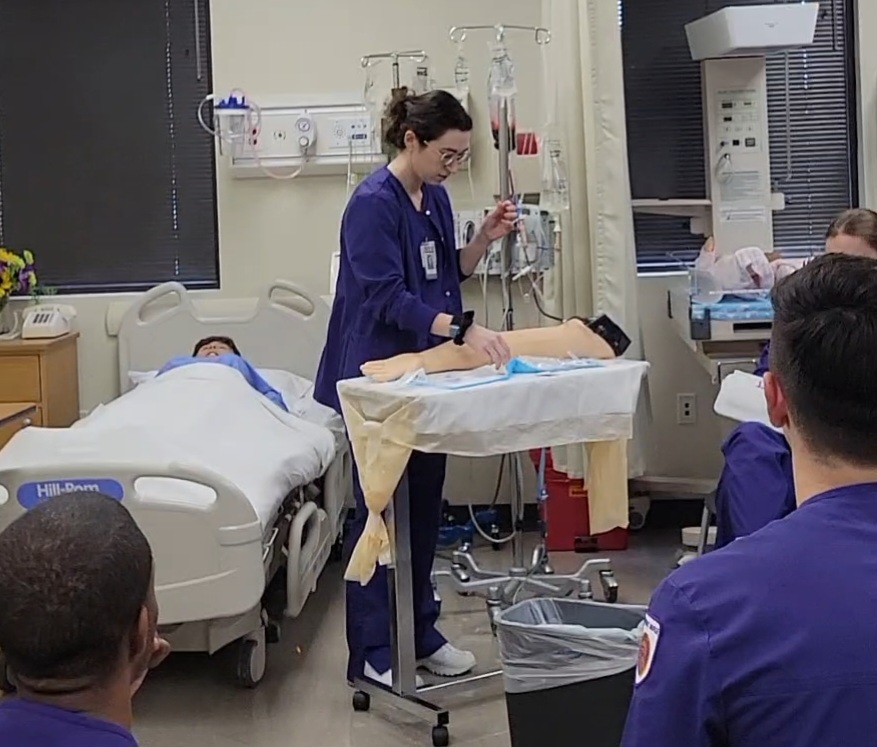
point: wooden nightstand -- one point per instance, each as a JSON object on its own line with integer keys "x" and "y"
{"x": 43, "y": 373}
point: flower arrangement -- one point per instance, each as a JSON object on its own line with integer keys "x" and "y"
{"x": 17, "y": 275}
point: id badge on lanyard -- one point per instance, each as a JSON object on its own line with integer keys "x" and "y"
{"x": 429, "y": 259}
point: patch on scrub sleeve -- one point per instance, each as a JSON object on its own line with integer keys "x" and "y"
{"x": 647, "y": 648}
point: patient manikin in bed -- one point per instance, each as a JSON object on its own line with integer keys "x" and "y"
{"x": 756, "y": 487}
{"x": 223, "y": 350}
{"x": 574, "y": 338}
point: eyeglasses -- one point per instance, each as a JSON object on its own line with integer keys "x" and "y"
{"x": 450, "y": 159}
{"x": 455, "y": 159}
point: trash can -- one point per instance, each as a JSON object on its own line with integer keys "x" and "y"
{"x": 568, "y": 668}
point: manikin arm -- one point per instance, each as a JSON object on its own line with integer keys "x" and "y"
{"x": 570, "y": 339}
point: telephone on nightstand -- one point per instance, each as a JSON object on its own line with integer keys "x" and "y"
{"x": 47, "y": 321}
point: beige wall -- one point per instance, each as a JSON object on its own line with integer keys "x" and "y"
{"x": 270, "y": 230}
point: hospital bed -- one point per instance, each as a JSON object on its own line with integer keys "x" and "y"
{"x": 228, "y": 488}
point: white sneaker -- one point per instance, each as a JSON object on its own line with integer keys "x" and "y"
{"x": 449, "y": 662}
{"x": 386, "y": 678}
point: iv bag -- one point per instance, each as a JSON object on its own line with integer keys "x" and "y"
{"x": 461, "y": 71}
{"x": 554, "y": 193}
{"x": 501, "y": 80}
{"x": 502, "y": 89}
{"x": 421, "y": 80}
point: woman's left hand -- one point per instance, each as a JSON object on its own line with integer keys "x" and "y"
{"x": 500, "y": 221}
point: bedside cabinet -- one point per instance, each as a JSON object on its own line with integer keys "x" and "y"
{"x": 45, "y": 374}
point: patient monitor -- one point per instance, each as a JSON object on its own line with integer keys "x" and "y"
{"x": 47, "y": 321}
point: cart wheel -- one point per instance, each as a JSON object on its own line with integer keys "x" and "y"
{"x": 272, "y": 632}
{"x": 440, "y": 736}
{"x": 250, "y": 661}
{"x": 610, "y": 586}
{"x": 361, "y": 702}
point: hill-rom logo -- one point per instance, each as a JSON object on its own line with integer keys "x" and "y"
{"x": 31, "y": 494}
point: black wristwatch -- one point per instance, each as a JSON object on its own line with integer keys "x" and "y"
{"x": 460, "y": 326}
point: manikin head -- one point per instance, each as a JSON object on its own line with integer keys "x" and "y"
{"x": 853, "y": 232}
{"x": 821, "y": 388}
{"x": 432, "y": 132}
{"x": 78, "y": 615}
{"x": 215, "y": 346}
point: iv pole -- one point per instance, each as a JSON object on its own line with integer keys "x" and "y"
{"x": 415, "y": 55}
{"x": 541, "y": 36}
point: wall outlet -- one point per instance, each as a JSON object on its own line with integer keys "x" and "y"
{"x": 686, "y": 409}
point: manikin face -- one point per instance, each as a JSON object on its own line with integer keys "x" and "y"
{"x": 214, "y": 349}
{"x": 846, "y": 244}
{"x": 438, "y": 159}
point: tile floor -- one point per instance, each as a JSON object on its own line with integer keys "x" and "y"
{"x": 304, "y": 699}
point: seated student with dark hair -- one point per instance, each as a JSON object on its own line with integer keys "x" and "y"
{"x": 78, "y": 620}
{"x": 770, "y": 640}
{"x": 223, "y": 350}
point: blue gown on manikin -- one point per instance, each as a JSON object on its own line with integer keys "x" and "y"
{"x": 385, "y": 305}
{"x": 769, "y": 641}
{"x": 756, "y": 485}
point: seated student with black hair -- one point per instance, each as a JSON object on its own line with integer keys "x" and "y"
{"x": 78, "y": 620}
{"x": 769, "y": 642}
{"x": 223, "y": 350}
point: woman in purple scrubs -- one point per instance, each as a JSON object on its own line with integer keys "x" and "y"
{"x": 398, "y": 291}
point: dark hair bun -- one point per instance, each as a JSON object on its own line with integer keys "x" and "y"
{"x": 396, "y": 116}
{"x": 429, "y": 116}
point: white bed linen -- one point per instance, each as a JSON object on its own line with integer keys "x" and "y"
{"x": 297, "y": 393}
{"x": 205, "y": 416}
{"x": 521, "y": 412}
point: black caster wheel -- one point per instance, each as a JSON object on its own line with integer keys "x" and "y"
{"x": 495, "y": 535}
{"x": 440, "y": 736}
{"x": 272, "y": 632}
{"x": 250, "y": 661}
{"x": 361, "y": 702}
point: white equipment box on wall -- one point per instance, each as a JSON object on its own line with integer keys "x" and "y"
{"x": 332, "y": 136}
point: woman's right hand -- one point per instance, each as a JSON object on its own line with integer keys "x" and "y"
{"x": 490, "y": 343}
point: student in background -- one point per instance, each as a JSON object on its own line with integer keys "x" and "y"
{"x": 78, "y": 623}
